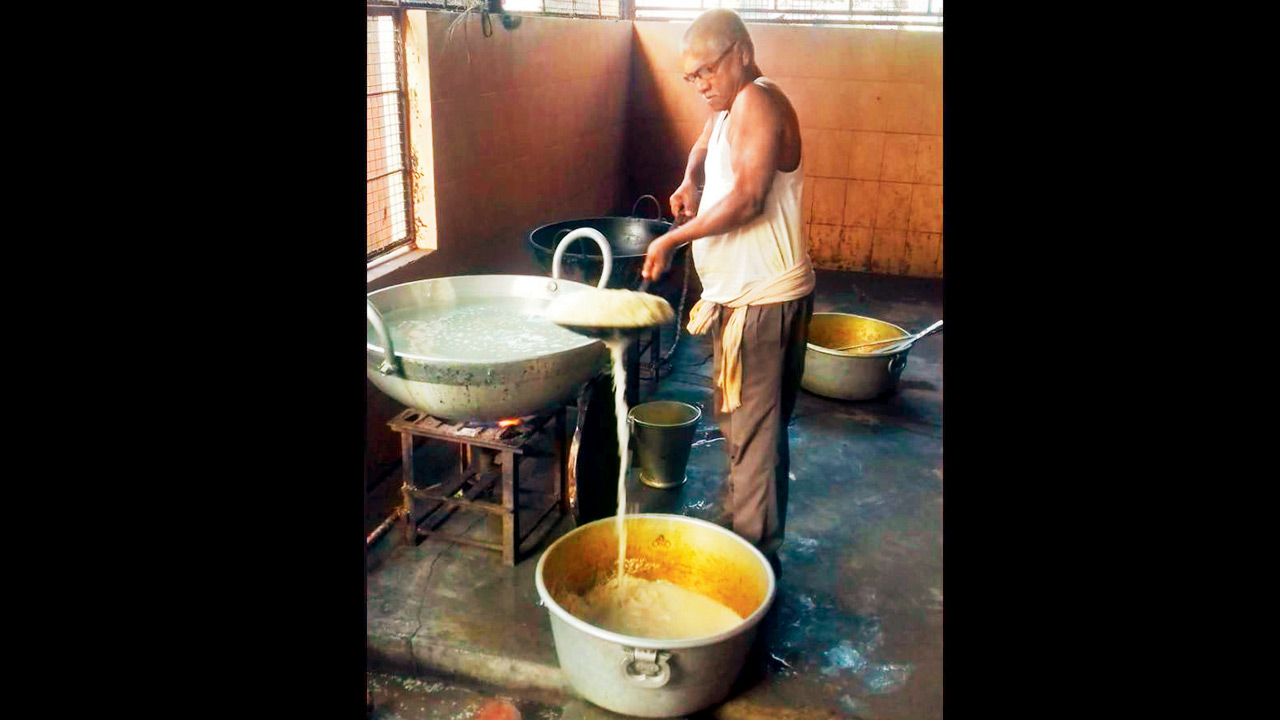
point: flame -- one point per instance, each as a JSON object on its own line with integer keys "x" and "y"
{"x": 509, "y": 422}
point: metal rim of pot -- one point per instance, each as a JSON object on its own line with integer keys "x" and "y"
{"x": 632, "y": 420}
{"x": 390, "y": 364}
{"x": 856, "y": 356}
{"x": 636, "y": 641}
{"x": 559, "y": 240}
{"x": 375, "y": 318}
{"x": 582, "y": 256}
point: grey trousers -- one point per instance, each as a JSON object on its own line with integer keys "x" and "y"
{"x": 755, "y": 434}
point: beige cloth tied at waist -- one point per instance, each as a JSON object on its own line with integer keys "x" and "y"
{"x": 793, "y": 284}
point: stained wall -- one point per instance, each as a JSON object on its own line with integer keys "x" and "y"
{"x": 870, "y": 110}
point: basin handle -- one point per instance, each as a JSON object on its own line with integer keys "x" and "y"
{"x": 390, "y": 363}
{"x": 655, "y": 202}
{"x": 652, "y": 667}
{"x": 604, "y": 250}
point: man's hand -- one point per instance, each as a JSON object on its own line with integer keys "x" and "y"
{"x": 684, "y": 201}
{"x": 657, "y": 258}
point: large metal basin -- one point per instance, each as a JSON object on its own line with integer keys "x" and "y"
{"x": 459, "y": 388}
{"x": 650, "y": 677}
{"x": 857, "y": 375}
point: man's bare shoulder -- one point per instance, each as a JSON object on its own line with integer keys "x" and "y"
{"x": 767, "y": 110}
{"x": 774, "y": 90}
{"x": 761, "y": 104}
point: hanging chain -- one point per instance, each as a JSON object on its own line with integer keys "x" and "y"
{"x": 655, "y": 369}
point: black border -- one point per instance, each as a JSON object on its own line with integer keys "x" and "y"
{"x": 262, "y": 535}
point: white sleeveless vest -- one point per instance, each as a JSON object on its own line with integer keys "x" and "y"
{"x": 730, "y": 263}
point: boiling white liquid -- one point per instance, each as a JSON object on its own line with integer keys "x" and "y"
{"x": 490, "y": 330}
{"x": 652, "y": 609}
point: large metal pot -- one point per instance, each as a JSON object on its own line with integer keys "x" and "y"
{"x": 458, "y": 388}
{"x": 644, "y": 676}
{"x": 629, "y": 239}
{"x": 850, "y": 375}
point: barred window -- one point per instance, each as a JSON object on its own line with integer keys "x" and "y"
{"x": 387, "y": 191}
{"x": 570, "y": 8}
{"x": 886, "y": 14}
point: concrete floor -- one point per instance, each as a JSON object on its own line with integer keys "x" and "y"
{"x": 857, "y": 630}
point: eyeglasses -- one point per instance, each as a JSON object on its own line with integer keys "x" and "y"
{"x": 709, "y": 69}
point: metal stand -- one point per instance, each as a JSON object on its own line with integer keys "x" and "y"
{"x": 480, "y": 450}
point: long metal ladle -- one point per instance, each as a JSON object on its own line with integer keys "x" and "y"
{"x": 893, "y": 347}
{"x": 598, "y": 332}
{"x": 607, "y": 254}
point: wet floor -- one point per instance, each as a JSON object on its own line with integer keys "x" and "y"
{"x": 857, "y": 626}
{"x": 429, "y": 697}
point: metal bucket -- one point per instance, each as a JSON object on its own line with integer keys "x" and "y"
{"x": 662, "y": 435}
{"x": 650, "y": 677}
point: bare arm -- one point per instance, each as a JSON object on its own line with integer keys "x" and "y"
{"x": 686, "y": 198}
{"x": 695, "y": 171}
{"x": 755, "y": 139}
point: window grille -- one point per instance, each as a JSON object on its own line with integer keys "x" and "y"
{"x": 568, "y": 8}
{"x": 887, "y": 14}
{"x": 387, "y": 191}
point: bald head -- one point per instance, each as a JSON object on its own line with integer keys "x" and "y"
{"x": 714, "y": 30}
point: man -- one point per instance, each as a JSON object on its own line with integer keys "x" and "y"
{"x": 752, "y": 257}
